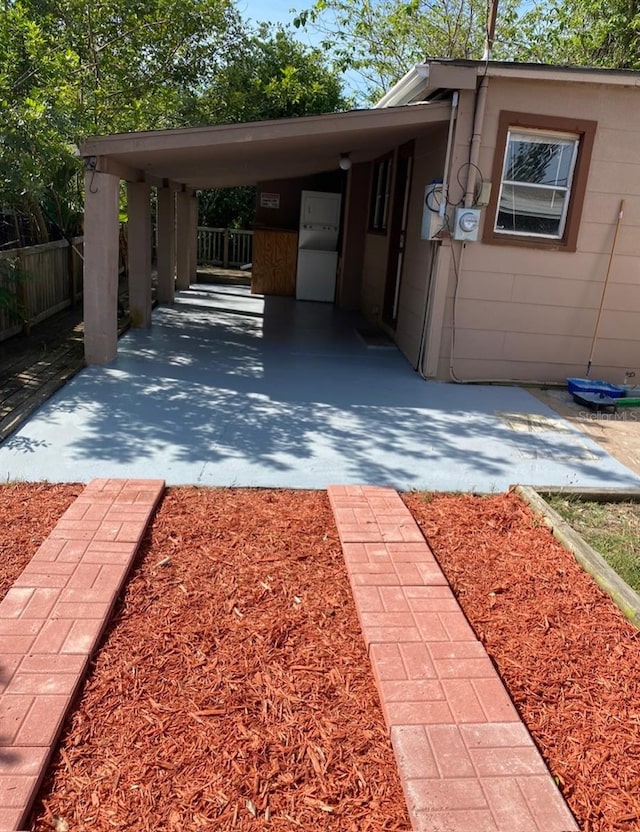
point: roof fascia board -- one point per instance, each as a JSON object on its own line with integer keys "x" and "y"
{"x": 193, "y": 137}
{"x": 435, "y": 73}
{"x": 588, "y": 76}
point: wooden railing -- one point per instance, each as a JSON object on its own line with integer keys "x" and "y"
{"x": 43, "y": 279}
{"x": 226, "y": 247}
{"x": 47, "y": 278}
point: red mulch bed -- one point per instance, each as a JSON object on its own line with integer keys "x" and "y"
{"x": 234, "y": 685}
{"x": 28, "y": 513}
{"x": 233, "y": 691}
{"x": 568, "y": 657}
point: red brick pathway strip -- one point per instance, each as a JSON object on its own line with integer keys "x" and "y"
{"x": 466, "y": 760}
{"x": 51, "y": 622}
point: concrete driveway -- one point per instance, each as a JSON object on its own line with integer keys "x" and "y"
{"x": 233, "y": 389}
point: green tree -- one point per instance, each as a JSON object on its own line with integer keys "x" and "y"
{"x": 269, "y": 75}
{"x": 377, "y": 41}
{"x": 70, "y": 68}
{"x": 37, "y": 115}
{"x": 137, "y": 60}
{"x": 603, "y": 33}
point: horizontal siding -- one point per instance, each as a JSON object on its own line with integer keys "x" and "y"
{"x": 529, "y": 314}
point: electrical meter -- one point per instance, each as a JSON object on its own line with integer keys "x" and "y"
{"x": 466, "y": 224}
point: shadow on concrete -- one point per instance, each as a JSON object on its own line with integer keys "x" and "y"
{"x": 286, "y": 394}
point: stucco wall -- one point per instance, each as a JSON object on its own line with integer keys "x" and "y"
{"x": 530, "y": 314}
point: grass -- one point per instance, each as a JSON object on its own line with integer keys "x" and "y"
{"x": 613, "y": 529}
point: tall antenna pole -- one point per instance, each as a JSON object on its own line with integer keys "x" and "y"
{"x": 492, "y": 16}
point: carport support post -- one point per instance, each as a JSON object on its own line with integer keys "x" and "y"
{"x": 101, "y": 246}
{"x": 139, "y": 247}
{"x": 166, "y": 245}
{"x": 193, "y": 240}
{"x": 183, "y": 248}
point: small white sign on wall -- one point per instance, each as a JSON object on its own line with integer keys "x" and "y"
{"x": 269, "y": 200}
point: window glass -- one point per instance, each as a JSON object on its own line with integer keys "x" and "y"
{"x": 536, "y": 184}
{"x": 380, "y": 194}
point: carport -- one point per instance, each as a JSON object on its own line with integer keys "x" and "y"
{"x": 177, "y": 163}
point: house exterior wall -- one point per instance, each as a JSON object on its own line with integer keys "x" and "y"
{"x": 428, "y": 164}
{"x": 354, "y": 237}
{"x": 374, "y": 272}
{"x": 529, "y": 314}
{"x": 287, "y": 215}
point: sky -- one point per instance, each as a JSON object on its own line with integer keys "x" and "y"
{"x": 278, "y": 11}
{"x": 274, "y": 11}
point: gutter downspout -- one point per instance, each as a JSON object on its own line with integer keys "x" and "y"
{"x": 447, "y": 159}
{"x": 476, "y": 141}
{"x": 470, "y": 193}
{"x": 481, "y": 102}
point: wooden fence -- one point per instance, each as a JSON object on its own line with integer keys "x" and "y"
{"x": 42, "y": 280}
{"x": 39, "y": 281}
{"x": 226, "y": 247}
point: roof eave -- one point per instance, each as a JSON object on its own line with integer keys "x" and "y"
{"x": 406, "y": 88}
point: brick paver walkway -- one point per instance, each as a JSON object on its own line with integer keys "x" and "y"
{"x": 466, "y": 760}
{"x": 51, "y": 621}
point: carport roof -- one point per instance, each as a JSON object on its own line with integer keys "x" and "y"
{"x": 244, "y": 154}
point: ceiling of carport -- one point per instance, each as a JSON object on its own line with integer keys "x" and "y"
{"x": 244, "y": 154}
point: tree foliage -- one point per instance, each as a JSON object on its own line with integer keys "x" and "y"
{"x": 377, "y": 41}
{"x": 37, "y": 113}
{"x": 73, "y": 68}
{"x": 599, "y": 33}
{"x": 272, "y": 75}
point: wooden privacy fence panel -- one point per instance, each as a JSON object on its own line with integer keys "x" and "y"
{"x": 48, "y": 279}
{"x": 8, "y": 324}
{"x": 226, "y": 247}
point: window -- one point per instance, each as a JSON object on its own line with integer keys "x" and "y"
{"x": 536, "y": 184}
{"x": 381, "y": 186}
{"x": 539, "y": 179}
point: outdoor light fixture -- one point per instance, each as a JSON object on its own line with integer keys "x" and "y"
{"x": 345, "y": 161}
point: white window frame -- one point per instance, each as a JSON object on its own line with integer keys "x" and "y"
{"x": 553, "y": 137}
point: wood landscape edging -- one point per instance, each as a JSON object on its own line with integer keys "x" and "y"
{"x": 625, "y": 598}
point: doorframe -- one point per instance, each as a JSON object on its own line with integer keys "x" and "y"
{"x": 398, "y": 233}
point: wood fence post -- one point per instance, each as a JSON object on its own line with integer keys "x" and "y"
{"x": 71, "y": 273}
{"x": 225, "y": 249}
{"x": 22, "y": 296}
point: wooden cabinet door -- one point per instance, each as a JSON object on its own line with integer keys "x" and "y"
{"x": 273, "y": 271}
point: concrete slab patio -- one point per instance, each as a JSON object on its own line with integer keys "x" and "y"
{"x": 233, "y": 389}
